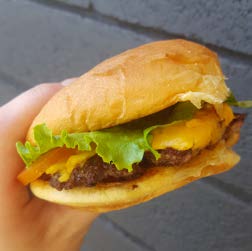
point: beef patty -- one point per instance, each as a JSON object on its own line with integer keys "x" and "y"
{"x": 96, "y": 171}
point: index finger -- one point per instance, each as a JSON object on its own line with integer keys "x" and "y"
{"x": 17, "y": 115}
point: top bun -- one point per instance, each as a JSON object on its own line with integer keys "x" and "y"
{"x": 133, "y": 84}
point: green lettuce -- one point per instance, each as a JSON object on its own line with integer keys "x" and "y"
{"x": 231, "y": 100}
{"x": 121, "y": 145}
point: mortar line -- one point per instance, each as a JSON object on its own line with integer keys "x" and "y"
{"x": 137, "y": 241}
{"x": 148, "y": 31}
{"x": 234, "y": 193}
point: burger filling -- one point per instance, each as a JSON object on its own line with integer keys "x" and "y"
{"x": 95, "y": 170}
{"x": 171, "y": 137}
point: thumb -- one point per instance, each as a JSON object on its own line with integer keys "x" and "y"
{"x": 17, "y": 115}
{"x": 15, "y": 119}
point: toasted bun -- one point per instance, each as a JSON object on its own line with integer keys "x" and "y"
{"x": 129, "y": 86}
{"x": 156, "y": 181}
{"x": 134, "y": 84}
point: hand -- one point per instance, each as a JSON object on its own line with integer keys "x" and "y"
{"x": 27, "y": 223}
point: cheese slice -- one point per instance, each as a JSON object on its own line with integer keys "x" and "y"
{"x": 65, "y": 168}
{"x": 207, "y": 127}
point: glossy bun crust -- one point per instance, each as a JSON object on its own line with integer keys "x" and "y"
{"x": 155, "y": 182}
{"x": 131, "y": 85}
{"x": 134, "y": 84}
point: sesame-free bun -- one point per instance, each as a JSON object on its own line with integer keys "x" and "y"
{"x": 126, "y": 87}
{"x": 133, "y": 84}
{"x": 155, "y": 182}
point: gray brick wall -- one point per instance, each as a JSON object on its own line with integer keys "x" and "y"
{"x": 224, "y": 23}
{"x": 51, "y": 40}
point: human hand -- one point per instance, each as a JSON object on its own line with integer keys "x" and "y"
{"x": 27, "y": 223}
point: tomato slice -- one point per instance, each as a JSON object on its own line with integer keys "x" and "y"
{"x": 43, "y": 162}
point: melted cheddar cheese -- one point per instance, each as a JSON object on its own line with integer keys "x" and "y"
{"x": 65, "y": 168}
{"x": 207, "y": 127}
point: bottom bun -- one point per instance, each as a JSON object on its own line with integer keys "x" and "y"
{"x": 155, "y": 182}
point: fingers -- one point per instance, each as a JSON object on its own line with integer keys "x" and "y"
{"x": 77, "y": 221}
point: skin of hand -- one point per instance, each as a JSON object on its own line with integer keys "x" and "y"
{"x": 26, "y": 222}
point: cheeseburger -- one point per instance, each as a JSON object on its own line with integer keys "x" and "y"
{"x": 138, "y": 125}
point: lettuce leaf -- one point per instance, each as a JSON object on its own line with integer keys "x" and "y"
{"x": 231, "y": 100}
{"x": 121, "y": 145}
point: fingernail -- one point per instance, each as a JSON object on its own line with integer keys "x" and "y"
{"x": 67, "y": 81}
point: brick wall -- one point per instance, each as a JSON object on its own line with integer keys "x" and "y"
{"x": 49, "y": 40}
